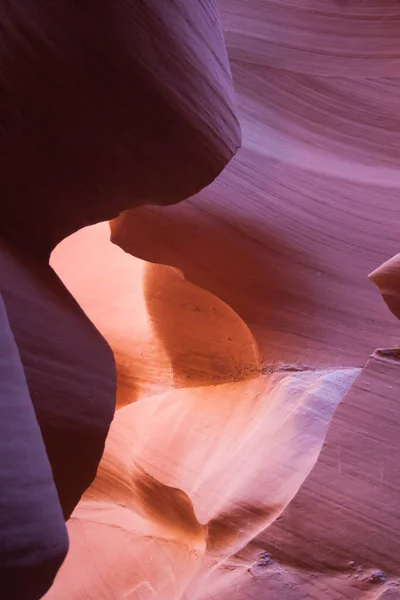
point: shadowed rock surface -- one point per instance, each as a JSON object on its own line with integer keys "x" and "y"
{"x": 254, "y": 450}
{"x": 104, "y": 106}
{"x": 34, "y": 539}
{"x": 284, "y": 238}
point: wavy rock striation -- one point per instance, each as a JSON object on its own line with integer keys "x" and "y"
{"x": 285, "y": 238}
{"x": 254, "y": 452}
{"x": 33, "y": 533}
{"x": 97, "y": 100}
{"x": 103, "y": 107}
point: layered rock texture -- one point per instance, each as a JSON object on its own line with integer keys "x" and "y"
{"x": 103, "y": 107}
{"x": 255, "y": 447}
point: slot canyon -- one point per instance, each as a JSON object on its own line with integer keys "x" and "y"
{"x": 200, "y": 294}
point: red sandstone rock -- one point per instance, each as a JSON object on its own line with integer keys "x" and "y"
{"x": 68, "y": 366}
{"x": 387, "y": 278}
{"x": 106, "y": 106}
{"x": 33, "y": 534}
{"x": 345, "y": 516}
{"x": 285, "y": 237}
{"x": 103, "y": 107}
{"x": 223, "y": 491}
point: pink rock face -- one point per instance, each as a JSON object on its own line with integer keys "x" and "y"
{"x": 182, "y": 484}
{"x": 108, "y": 106}
{"x": 290, "y": 466}
{"x": 68, "y": 367}
{"x": 387, "y": 278}
{"x": 254, "y": 450}
{"x": 103, "y": 107}
{"x": 33, "y": 534}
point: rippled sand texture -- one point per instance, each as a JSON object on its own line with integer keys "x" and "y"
{"x": 228, "y": 473}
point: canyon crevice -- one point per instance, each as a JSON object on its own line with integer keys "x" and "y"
{"x": 198, "y": 380}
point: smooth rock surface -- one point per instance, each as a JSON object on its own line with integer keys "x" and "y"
{"x": 353, "y": 490}
{"x": 189, "y": 477}
{"x": 34, "y": 538}
{"x": 106, "y": 106}
{"x": 69, "y": 369}
{"x": 285, "y": 238}
{"x": 387, "y": 278}
{"x": 235, "y": 316}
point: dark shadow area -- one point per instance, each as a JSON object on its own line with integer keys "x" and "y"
{"x": 69, "y": 370}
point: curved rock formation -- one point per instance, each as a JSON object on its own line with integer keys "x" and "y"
{"x": 254, "y": 451}
{"x": 33, "y": 534}
{"x": 108, "y": 106}
{"x": 68, "y": 367}
{"x": 103, "y": 107}
{"x": 218, "y": 464}
{"x": 387, "y": 278}
{"x": 285, "y": 238}
{"x": 219, "y": 444}
{"x": 310, "y": 204}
